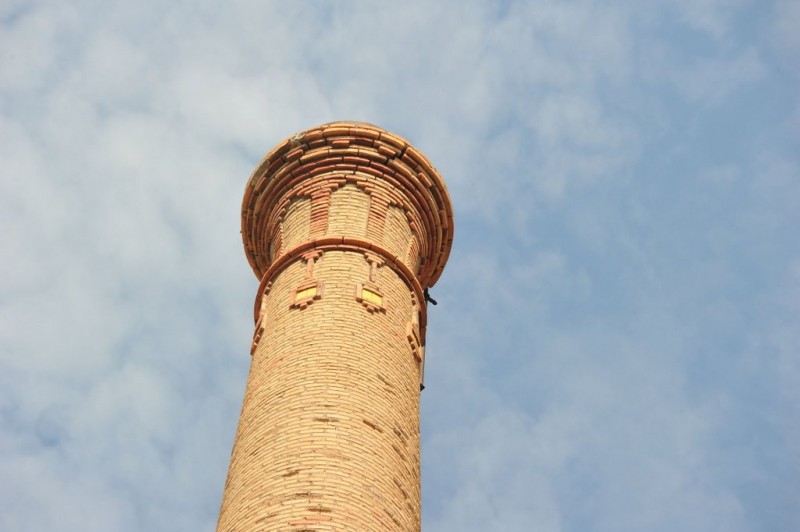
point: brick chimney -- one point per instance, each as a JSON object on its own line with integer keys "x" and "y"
{"x": 345, "y": 225}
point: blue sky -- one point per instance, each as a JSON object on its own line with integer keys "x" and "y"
{"x": 617, "y": 341}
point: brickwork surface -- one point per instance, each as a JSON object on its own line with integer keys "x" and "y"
{"x": 397, "y": 234}
{"x": 329, "y": 433}
{"x": 348, "y": 212}
{"x": 345, "y": 224}
{"x": 296, "y": 224}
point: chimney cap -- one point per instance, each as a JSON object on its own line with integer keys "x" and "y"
{"x": 419, "y": 179}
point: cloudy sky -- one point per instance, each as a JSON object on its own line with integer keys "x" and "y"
{"x": 617, "y": 341}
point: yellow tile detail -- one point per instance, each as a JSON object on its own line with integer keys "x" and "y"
{"x": 371, "y": 296}
{"x": 307, "y": 293}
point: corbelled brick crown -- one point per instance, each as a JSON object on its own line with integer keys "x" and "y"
{"x": 317, "y": 162}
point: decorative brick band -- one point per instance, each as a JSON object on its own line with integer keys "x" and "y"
{"x": 371, "y": 251}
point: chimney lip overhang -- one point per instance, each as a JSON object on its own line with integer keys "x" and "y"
{"x": 426, "y": 181}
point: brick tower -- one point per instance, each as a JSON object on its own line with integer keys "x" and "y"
{"x": 345, "y": 225}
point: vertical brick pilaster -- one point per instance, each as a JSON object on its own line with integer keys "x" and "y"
{"x": 377, "y": 217}
{"x": 320, "y": 202}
